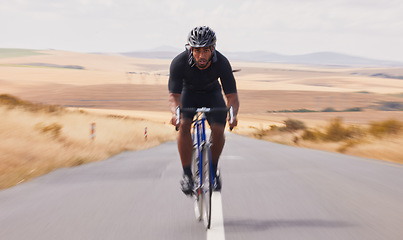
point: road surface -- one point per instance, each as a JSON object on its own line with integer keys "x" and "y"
{"x": 270, "y": 191}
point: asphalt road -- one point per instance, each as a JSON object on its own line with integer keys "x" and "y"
{"x": 270, "y": 191}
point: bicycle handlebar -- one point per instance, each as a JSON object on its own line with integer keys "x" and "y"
{"x": 204, "y": 110}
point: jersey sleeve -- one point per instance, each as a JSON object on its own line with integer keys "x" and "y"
{"x": 227, "y": 77}
{"x": 175, "y": 82}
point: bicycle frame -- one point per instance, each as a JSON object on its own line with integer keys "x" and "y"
{"x": 199, "y": 131}
{"x": 199, "y": 140}
{"x": 202, "y": 169}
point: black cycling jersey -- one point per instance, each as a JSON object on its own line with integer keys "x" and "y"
{"x": 201, "y": 88}
{"x": 185, "y": 76}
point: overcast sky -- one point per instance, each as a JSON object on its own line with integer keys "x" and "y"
{"x": 367, "y": 28}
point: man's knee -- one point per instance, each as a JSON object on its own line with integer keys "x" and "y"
{"x": 217, "y": 127}
{"x": 217, "y": 130}
{"x": 185, "y": 125}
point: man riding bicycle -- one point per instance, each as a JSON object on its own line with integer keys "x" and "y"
{"x": 193, "y": 83}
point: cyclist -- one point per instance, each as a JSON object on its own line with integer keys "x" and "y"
{"x": 193, "y": 83}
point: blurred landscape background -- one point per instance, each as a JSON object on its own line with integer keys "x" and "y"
{"x": 83, "y": 80}
{"x": 50, "y": 99}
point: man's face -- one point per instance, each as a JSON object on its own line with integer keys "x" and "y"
{"x": 202, "y": 57}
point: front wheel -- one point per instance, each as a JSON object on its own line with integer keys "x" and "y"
{"x": 207, "y": 186}
{"x": 198, "y": 196}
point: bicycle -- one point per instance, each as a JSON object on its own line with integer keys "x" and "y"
{"x": 201, "y": 164}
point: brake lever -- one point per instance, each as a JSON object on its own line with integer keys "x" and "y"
{"x": 178, "y": 114}
{"x": 231, "y": 116}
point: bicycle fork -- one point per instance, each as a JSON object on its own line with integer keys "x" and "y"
{"x": 203, "y": 145}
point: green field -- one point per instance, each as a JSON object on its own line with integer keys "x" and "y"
{"x": 16, "y": 52}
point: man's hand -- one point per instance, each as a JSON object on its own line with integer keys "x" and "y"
{"x": 174, "y": 120}
{"x": 234, "y": 122}
{"x": 233, "y": 102}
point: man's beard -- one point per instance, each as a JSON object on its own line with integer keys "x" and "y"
{"x": 203, "y": 65}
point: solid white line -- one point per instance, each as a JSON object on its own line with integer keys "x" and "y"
{"x": 216, "y": 231}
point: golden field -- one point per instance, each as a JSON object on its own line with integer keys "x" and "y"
{"x": 39, "y": 140}
{"x": 124, "y": 95}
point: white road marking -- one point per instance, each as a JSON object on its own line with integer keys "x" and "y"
{"x": 216, "y": 231}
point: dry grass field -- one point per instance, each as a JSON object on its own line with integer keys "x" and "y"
{"x": 36, "y": 139}
{"x": 103, "y": 86}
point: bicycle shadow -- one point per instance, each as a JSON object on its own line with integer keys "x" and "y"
{"x": 262, "y": 225}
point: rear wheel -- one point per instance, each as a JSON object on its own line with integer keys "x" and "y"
{"x": 207, "y": 186}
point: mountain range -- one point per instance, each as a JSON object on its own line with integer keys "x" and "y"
{"x": 317, "y": 58}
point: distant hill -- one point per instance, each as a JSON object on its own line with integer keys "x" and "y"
{"x": 17, "y": 52}
{"x": 152, "y": 55}
{"x": 163, "y": 52}
{"x": 318, "y": 58}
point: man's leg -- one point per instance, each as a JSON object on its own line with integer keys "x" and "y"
{"x": 185, "y": 148}
{"x": 217, "y": 135}
{"x": 218, "y": 138}
{"x": 185, "y": 144}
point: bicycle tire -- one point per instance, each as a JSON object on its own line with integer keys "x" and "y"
{"x": 198, "y": 197}
{"x": 207, "y": 186}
